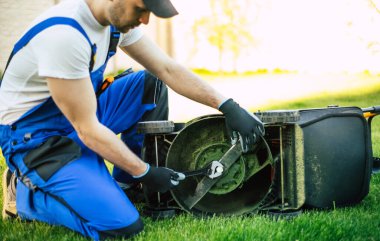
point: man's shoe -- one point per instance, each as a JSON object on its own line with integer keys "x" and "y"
{"x": 134, "y": 192}
{"x": 9, "y": 195}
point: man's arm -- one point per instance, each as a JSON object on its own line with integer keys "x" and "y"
{"x": 177, "y": 77}
{"x": 240, "y": 124}
{"x": 80, "y": 109}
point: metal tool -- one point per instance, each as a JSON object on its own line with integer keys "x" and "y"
{"x": 205, "y": 184}
{"x": 213, "y": 170}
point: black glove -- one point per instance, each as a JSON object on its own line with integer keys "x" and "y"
{"x": 242, "y": 124}
{"x": 160, "y": 179}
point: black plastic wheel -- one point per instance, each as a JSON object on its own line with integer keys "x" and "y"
{"x": 155, "y": 127}
{"x": 159, "y": 213}
{"x": 283, "y": 214}
{"x": 376, "y": 165}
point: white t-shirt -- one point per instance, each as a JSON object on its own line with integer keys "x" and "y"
{"x": 59, "y": 51}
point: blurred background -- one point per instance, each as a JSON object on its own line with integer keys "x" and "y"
{"x": 256, "y": 51}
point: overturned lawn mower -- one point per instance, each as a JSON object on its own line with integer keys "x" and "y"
{"x": 311, "y": 158}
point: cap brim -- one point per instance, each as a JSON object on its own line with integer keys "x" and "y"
{"x": 161, "y": 8}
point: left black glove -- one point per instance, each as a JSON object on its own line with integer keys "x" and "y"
{"x": 242, "y": 124}
{"x": 160, "y": 179}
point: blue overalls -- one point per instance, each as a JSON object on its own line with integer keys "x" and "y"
{"x": 63, "y": 182}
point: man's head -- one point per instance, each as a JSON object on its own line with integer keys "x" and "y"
{"x": 161, "y": 8}
{"x": 127, "y": 14}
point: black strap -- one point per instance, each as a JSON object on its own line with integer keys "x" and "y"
{"x": 114, "y": 40}
{"x": 93, "y": 55}
{"x": 6, "y": 66}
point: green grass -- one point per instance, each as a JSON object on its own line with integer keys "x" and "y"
{"x": 360, "y": 222}
{"x": 363, "y": 97}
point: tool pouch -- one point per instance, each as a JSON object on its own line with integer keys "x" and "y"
{"x": 52, "y": 155}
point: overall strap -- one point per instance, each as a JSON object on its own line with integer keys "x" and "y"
{"x": 114, "y": 40}
{"x": 44, "y": 25}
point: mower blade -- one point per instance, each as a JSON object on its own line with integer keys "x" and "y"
{"x": 206, "y": 183}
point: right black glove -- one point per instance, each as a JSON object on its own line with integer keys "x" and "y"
{"x": 160, "y": 179}
{"x": 241, "y": 124}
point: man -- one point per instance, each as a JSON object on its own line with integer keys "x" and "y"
{"x": 58, "y": 123}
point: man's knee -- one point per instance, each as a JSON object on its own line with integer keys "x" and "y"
{"x": 126, "y": 232}
{"x": 155, "y": 91}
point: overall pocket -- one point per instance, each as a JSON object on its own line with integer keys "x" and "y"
{"x": 53, "y": 154}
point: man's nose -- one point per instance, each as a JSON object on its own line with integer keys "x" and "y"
{"x": 144, "y": 19}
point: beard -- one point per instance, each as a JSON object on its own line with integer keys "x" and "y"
{"x": 117, "y": 14}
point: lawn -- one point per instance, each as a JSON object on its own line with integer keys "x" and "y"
{"x": 360, "y": 222}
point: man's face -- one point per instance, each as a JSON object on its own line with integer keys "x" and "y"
{"x": 127, "y": 14}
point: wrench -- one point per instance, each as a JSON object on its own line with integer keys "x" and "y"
{"x": 213, "y": 170}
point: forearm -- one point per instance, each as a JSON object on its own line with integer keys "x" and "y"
{"x": 177, "y": 77}
{"x": 104, "y": 142}
{"x": 186, "y": 83}
{"x": 80, "y": 109}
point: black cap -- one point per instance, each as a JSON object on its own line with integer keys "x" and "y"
{"x": 161, "y": 8}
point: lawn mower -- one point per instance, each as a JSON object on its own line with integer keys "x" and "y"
{"x": 309, "y": 158}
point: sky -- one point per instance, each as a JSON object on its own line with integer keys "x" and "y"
{"x": 303, "y": 35}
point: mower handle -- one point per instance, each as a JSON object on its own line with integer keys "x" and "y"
{"x": 371, "y": 111}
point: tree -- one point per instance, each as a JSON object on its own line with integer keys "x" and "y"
{"x": 226, "y": 28}
{"x": 374, "y": 46}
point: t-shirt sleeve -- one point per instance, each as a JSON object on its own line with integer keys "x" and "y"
{"x": 62, "y": 52}
{"x": 131, "y": 37}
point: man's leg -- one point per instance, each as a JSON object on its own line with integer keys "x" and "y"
{"x": 81, "y": 196}
{"x": 150, "y": 102}
{"x": 9, "y": 195}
